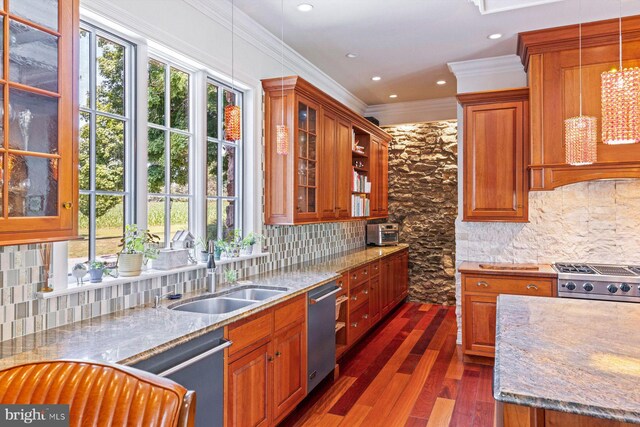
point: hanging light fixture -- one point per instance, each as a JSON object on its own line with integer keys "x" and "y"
{"x": 580, "y": 132}
{"x": 621, "y": 102}
{"x": 232, "y": 113}
{"x": 282, "y": 132}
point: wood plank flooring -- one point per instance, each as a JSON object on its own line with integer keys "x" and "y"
{"x": 408, "y": 372}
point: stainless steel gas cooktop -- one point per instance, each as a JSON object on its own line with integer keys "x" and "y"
{"x": 599, "y": 281}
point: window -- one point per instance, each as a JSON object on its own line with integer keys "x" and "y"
{"x": 224, "y": 162}
{"x": 105, "y": 154}
{"x": 169, "y": 141}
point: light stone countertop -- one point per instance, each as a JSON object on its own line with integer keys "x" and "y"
{"x": 569, "y": 355}
{"x": 135, "y": 334}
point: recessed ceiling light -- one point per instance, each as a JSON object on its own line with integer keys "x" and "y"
{"x": 305, "y": 7}
{"x": 393, "y": 96}
{"x": 351, "y": 55}
{"x": 376, "y": 78}
{"x": 494, "y": 36}
{"x": 441, "y": 82}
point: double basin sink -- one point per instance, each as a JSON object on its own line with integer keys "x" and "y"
{"x": 228, "y": 302}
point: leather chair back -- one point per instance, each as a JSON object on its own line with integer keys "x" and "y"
{"x": 100, "y": 394}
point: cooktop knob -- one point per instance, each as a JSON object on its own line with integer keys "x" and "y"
{"x": 612, "y": 288}
{"x": 625, "y": 287}
{"x": 587, "y": 287}
{"x": 571, "y": 286}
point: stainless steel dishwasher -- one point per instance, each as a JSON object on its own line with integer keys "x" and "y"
{"x": 321, "y": 333}
{"x": 197, "y": 365}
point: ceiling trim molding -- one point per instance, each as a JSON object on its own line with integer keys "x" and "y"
{"x": 484, "y": 66}
{"x": 427, "y": 110}
{"x": 490, "y": 6}
{"x": 245, "y": 28}
{"x": 255, "y": 34}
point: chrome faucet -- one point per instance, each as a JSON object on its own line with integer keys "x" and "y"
{"x": 211, "y": 268}
{"x": 158, "y": 298}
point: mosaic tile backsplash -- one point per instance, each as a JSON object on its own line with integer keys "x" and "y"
{"x": 21, "y": 275}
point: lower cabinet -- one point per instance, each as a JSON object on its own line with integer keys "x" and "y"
{"x": 266, "y": 365}
{"x": 479, "y": 297}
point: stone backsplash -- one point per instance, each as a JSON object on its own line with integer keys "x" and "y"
{"x": 423, "y": 188}
{"x": 597, "y": 221}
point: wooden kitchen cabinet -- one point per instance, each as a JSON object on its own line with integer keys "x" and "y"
{"x": 551, "y": 59}
{"x": 495, "y": 186}
{"x": 480, "y": 290}
{"x": 313, "y": 182}
{"x": 39, "y": 152}
{"x": 380, "y": 181}
{"x": 374, "y": 299}
{"x": 266, "y": 373}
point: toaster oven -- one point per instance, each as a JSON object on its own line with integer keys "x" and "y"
{"x": 382, "y": 234}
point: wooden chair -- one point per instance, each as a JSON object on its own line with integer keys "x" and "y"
{"x": 100, "y": 394}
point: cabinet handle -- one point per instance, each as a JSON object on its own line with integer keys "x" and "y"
{"x": 67, "y": 205}
{"x": 224, "y": 344}
{"x": 354, "y": 325}
{"x": 340, "y": 284}
{"x": 278, "y": 354}
{"x": 364, "y": 272}
{"x": 270, "y": 358}
{"x": 354, "y": 277}
{"x": 366, "y": 292}
{"x": 354, "y": 298}
{"x": 532, "y": 286}
{"x": 483, "y": 284}
{"x": 365, "y": 316}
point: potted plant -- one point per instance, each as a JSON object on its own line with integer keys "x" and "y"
{"x": 249, "y": 241}
{"x": 138, "y": 246}
{"x": 220, "y": 247}
{"x": 234, "y": 243}
{"x": 97, "y": 269}
{"x": 204, "y": 252}
{"x": 230, "y": 276}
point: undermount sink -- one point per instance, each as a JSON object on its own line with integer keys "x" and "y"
{"x": 218, "y": 305}
{"x": 254, "y": 294}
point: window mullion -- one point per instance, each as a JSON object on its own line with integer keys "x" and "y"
{"x": 219, "y": 152}
{"x": 167, "y": 154}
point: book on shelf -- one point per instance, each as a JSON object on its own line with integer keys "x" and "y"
{"x": 361, "y": 183}
{"x": 360, "y": 205}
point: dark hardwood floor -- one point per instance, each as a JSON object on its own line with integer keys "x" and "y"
{"x": 406, "y": 372}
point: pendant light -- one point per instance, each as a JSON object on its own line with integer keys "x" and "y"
{"x": 282, "y": 132}
{"x": 580, "y": 131}
{"x": 232, "y": 113}
{"x": 621, "y": 102}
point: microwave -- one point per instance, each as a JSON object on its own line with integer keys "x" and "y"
{"x": 382, "y": 234}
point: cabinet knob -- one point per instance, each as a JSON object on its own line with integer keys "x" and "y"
{"x": 354, "y": 298}
{"x": 67, "y": 205}
{"x": 354, "y": 325}
{"x": 366, "y": 292}
{"x": 365, "y": 316}
{"x": 354, "y": 276}
{"x": 278, "y": 354}
{"x": 364, "y": 272}
{"x": 340, "y": 284}
{"x": 270, "y": 358}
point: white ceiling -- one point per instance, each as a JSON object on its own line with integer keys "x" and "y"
{"x": 409, "y": 42}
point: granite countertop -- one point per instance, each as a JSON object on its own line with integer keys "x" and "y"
{"x": 135, "y": 334}
{"x": 569, "y": 355}
{"x": 535, "y": 270}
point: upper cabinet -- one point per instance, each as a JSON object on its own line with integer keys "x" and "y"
{"x": 324, "y": 176}
{"x": 38, "y": 157}
{"x": 494, "y": 155}
{"x": 551, "y": 58}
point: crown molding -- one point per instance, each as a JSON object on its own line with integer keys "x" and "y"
{"x": 245, "y": 28}
{"x": 484, "y": 66}
{"x": 495, "y": 6}
{"x": 428, "y": 110}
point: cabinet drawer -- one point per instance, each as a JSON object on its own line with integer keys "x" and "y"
{"x": 358, "y": 296}
{"x": 509, "y": 285}
{"x": 290, "y": 313}
{"x": 374, "y": 268}
{"x": 249, "y": 331}
{"x": 343, "y": 282}
{"x": 359, "y": 322}
{"x": 359, "y": 275}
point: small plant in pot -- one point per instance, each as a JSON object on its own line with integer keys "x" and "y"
{"x": 234, "y": 243}
{"x": 249, "y": 241}
{"x": 97, "y": 269}
{"x": 203, "y": 250}
{"x": 220, "y": 247}
{"x": 138, "y": 246}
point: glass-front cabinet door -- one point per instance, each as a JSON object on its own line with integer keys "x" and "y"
{"x": 38, "y": 110}
{"x": 306, "y": 178}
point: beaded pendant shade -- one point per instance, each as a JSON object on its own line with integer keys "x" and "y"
{"x": 232, "y": 122}
{"x": 620, "y": 102}
{"x": 282, "y": 132}
{"x": 580, "y": 133}
{"x": 232, "y": 113}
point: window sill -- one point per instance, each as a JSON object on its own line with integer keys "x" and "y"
{"x": 74, "y": 288}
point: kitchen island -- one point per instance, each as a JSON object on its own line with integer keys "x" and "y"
{"x": 566, "y": 362}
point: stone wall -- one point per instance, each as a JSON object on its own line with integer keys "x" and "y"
{"x": 423, "y": 200}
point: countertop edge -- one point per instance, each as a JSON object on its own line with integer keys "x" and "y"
{"x": 472, "y": 267}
